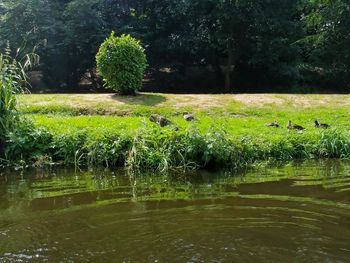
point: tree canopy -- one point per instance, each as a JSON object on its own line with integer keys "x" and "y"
{"x": 191, "y": 45}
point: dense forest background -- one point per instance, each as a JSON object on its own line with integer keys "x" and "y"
{"x": 191, "y": 45}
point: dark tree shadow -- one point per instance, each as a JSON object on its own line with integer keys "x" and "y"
{"x": 146, "y": 99}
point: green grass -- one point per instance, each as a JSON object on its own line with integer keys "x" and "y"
{"x": 134, "y": 105}
{"x": 230, "y": 131}
{"x": 241, "y": 113}
{"x": 261, "y": 105}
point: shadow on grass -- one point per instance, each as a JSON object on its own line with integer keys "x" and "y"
{"x": 145, "y": 99}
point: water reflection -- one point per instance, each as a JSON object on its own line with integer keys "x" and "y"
{"x": 296, "y": 212}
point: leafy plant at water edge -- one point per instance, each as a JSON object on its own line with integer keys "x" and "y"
{"x": 7, "y": 107}
{"x": 27, "y": 142}
{"x": 188, "y": 149}
{"x": 333, "y": 144}
{"x": 70, "y": 148}
{"x": 12, "y": 81}
{"x": 111, "y": 150}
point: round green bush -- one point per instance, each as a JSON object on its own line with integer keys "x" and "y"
{"x": 121, "y": 61}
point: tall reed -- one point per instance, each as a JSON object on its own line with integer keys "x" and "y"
{"x": 13, "y": 80}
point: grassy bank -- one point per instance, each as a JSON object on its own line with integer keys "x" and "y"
{"x": 104, "y": 129}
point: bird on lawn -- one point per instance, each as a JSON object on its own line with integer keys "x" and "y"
{"x": 273, "y": 124}
{"x": 294, "y": 126}
{"x": 321, "y": 125}
{"x": 159, "y": 119}
{"x": 188, "y": 117}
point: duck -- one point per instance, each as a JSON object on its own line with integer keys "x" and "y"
{"x": 159, "y": 119}
{"x": 294, "y": 126}
{"x": 188, "y": 117}
{"x": 321, "y": 125}
{"x": 273, "y": 124}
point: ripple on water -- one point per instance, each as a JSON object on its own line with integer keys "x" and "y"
{"x": 289, "y": 216}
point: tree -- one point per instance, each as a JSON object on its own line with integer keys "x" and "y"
{"x": 239, "y": 45}
{"x": 66, "y": 34}
{"x": 239, "y": 36}
{"x": 122, "y": 62}
{"x": 84, "y": 32}
{"x": 35, "y": 23}
{"x": 327, "y": 41}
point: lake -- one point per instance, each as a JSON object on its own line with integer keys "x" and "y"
{"x": 297, "y": 212}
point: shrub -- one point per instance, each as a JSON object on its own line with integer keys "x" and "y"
{"x": 121, "y": 61}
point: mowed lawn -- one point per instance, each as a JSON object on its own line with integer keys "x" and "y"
{"x": 238, "y": 115}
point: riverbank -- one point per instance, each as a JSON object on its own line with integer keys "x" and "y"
{"x": 230, "y": 131}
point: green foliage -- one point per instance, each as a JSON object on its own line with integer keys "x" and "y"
{"x": 333, "y": 144}
{"x": 110, "y": 150}
{"x": 27, "y": 142}
{"x": 11, "y": 78}
{"x": 65, "y": 34}
{"x": 121, "y": 61}
{"x": 228, "y": 133}
{"x": 7, "y": 107}
{"x": 12, "y": 81}
{"x": 283, "y": 43}
{"x": 82, "y": 35}
{"x": 69, "y": 148}
{"x": 184, "y": 147}
{"x": 326, "y": 43}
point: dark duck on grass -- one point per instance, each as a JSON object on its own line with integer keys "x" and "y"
{"x": 273, "y": 124}
{"x": 294, "y": 126}
{"x": 188, "y": 117}
{"x": 159, "y": 119}
{"x": 321, "y": 125}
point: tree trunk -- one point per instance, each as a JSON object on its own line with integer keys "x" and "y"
{"x": 215, "y": 63}
{"x": 228, "y": 67}
{"x": 73, "y": 77}
{"x": 93, "y": 79}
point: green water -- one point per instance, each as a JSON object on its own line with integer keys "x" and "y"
{"x": 292, "y": 213}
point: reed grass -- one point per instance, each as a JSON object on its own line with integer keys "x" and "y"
{"x": 178, "y": 147}
{"x": 12, "y": 81}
